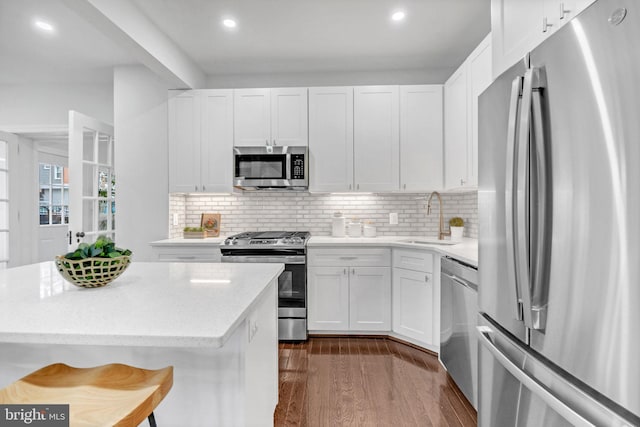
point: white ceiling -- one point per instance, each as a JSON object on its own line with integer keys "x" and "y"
{"x": 273, "y": 36}
{"x": 76, "y": 52}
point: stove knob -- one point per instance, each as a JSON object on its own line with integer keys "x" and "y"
{"x": 227, "y": 241}
{"x": 286, "y": 241}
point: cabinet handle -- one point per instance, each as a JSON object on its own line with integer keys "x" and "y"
{"x": 274, "y": 142}
{"x": 358, "y": 186}
{"x": 426, "y": 278}
{"x": 563, "y": 11}
{"x": 349, "y": 186}
{"x": 196, "y": 187}
{"x": 353, "y": 271}
{"x": 266, "y": 142}
{"x": 204, "y": 188}
{"x": 545, "y": 24}
{"x": 345, "y": 272}
{"x": 404, "y": 186}
{"x": 462, "y": 182}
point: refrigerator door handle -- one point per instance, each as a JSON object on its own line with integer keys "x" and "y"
{"x": 484, "y": 334}
{"x": 541, "y": 227}
{"x": 509, "y": 213}
{"x": 522, "y": 201}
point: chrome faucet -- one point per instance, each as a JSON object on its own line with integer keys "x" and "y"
{"x": 441, "y": 232}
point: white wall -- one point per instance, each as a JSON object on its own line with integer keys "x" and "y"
{"x": 141, "y": 159}
{"x": 329, "y": 78}
{"x": 41, "y": 105}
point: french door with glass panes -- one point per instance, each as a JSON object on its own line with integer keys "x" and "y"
{"x": 92, "y": 180}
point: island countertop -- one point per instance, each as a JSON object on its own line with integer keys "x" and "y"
{"x": 150, "y": 304}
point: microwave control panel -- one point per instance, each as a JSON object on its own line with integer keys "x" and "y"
{"x": 297, "y": 166}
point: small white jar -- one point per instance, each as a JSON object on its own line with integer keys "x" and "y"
{"x": 355, "y": 229}
{"x": 368, "y": 229}
{"x": 338, "y": 225}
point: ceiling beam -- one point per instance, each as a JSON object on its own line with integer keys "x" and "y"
{"x": 126, "y": 25}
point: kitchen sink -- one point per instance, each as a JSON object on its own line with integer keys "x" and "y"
{"x": 429, "y": 242}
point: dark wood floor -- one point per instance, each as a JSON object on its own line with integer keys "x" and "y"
{"x": 366, "y": 382}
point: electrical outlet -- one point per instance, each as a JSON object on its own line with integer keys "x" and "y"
{"x": 175, "y": 219}
{"x": 393, "y": 218}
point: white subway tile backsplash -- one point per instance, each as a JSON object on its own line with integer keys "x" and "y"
{"x": 257, "y": 211}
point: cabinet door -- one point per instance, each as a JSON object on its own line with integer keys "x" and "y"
{"x": 184, "y": 142}
{"x": 331, "y": 139}
{"x": 455, "y": 129}
{"x": 252, "y": 117}
{"x": 516, "y": 27}
{"x": 370, "y": 299}
{"x": 479, "y": 69}
{"x": 289, "y": 120}
{"x": 217, "y": 141}
{"x": 421, "y": 139}
{"x": 413, "y": 304}
{"x": 328, "y": 298}
{"x": 376, "y": 138}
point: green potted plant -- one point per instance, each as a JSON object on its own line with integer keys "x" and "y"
{"x": 456, "y": 225}
{"x": 94, "y": 265}
{"x": 194, "y": 233}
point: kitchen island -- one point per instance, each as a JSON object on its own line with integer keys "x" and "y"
{"x": 215, "y": 323}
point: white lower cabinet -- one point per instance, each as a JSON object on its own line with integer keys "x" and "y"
{"x": 412, "y": 303}
{"x": 349, "y": 290}
{"x": 415, "y": 297}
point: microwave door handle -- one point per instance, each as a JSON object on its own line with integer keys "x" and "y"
{"x": 509, "y": 211}
{"x": 288, "y": 166}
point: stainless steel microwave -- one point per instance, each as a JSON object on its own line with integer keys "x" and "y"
{"x": 270, "y": 168}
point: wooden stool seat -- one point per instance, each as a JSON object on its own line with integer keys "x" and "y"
{"x": 109, "y": 395}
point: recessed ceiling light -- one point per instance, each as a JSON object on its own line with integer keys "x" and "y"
{"x": 44, "y": 26}
{"x": 398, "y": 16}
{"x": 229, "y": 23}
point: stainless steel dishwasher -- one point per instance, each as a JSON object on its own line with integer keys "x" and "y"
{"x": 458, "y": 318}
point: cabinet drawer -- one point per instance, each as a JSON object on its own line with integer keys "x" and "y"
{"x": 181, "y": 254}
{"x": 349, "y": 257}
{"x": 413, "y": 260}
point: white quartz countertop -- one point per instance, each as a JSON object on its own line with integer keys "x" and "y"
{"x": 150, "y": 304}
{"x": 465, "y": 251}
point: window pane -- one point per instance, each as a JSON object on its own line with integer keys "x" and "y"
{"x": 88, "y": 180}
{"x": 102, "y": 215}
{"x": 4, "y": 248}
{"x": 45, "y": 174}
{"x": 56, "y": 215}
{"x": 57, "y": 175}
{"x": 56, "y": 196}
{"x": 104, "y": 149}
{"x": 44, "y": 214}
{"x": 3, "y": 154}
{"x": 66, "y": 214}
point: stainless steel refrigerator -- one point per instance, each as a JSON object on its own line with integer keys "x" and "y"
{"x": 559, "y": 212}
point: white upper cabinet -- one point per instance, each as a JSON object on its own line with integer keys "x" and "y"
{"x": 461, "y": 93}
{"x": 331, "y": 139}
{"x": 455, "y": 129}
{"x": 252, "y": 117}
{"x": 200, "y": 141}
{"x": 289, "y": 123}
{"x": 518, "y": 26}
{"x": 184, "y": 142}
{"x": 270, "y": 117}
{"x": 216, "y": 153}
{"x": 421, "y": 138}
{"x": 376, "y": 138}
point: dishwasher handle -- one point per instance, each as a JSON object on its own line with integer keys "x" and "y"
{"x": 462, "y": 282}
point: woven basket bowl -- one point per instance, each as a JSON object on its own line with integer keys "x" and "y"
{"x": 92, "y": 272}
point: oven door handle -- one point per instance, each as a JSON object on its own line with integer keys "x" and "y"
{"x": 290, "y": 259}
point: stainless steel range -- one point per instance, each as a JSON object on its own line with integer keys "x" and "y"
{"x": 289, "y": 248}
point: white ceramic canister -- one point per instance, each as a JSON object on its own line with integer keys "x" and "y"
{"x": 368, "y": 229}
{"x": 355, "y": 228}
{"x": 338, "y": 225}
